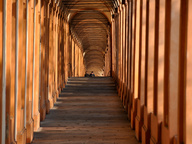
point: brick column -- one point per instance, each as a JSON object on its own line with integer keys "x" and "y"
{"x": 57, "y": 54}
{"x": 113, "y": 34}
{"x": 143, "y": 81}
{"x": 188, "y": 123}
{"x": 29, "y": 118}
{"x": 47, "y": 56}
{"x": 9, "y": 54}
{"x": 117, "y": 46}
{"x": 79, "y": 61}
{"x": 50, "y": 55}
{"x": 120, "y": 48}
{"x": 67, "y": 50}
{"x": 73, "y": 58}
{"x": 21, "y": 132}
{"x": 3, "y": 17}
{"x": 1, "y": 59}
{"x": 130, "y": 9}
{"x": 36, "y": 113}
{"x": 123, "y": 53}
{"x": 188, "y": 138}
{"x": 63, "y": 50}
{"x": 138, "y": 53}
{"x": 13, "y": 56}
{"x": 169, "y": 127}
{"x": 157, "y": 117}
{"x": 42, "y": 84}
{"x": 59, "y": 57}
{"x": 132, "y": 92}
{"x": 125, "y": 94}
{"x": 64, "y": 47}
{"x": 184, "y": 99}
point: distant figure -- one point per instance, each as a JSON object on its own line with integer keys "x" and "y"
{"x": 86, "y": 74}
{"x": 92, "y": 74}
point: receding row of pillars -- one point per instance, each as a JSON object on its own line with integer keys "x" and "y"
{"x": 35, "y": 62}
{"x": 152, "y": 63}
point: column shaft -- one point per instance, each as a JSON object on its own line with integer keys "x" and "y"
{"x": 36, "y": 114}
{"x": 188, "y": 116}
{"x": 21, "y": 71}
{"x": 1, "y": 57}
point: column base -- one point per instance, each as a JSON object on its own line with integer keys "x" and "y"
{"x": 175, "y": 140}
{"x": 63, "y": 86}
{"x": 126, "y": 100}
{"x": 13, "y": 142}
{"x": 165, "y": 138}
{"x": 30, "y": 126}
{"x": 47, "y": 106}
{"x": 137, "y": 128}
{"x": 126, "y": 103}
{"x": 22, "y": 136}
{"x": 12, "y": 123}
{"x": 133, "y": 115}
{"x": 54, "y": 97}
{"x": 36, "y": 121}
{"x": 58, "y": 92}
{"x": 146, "y": 126}
{"x": 145, "y": 135}
{"x": 153, "y": 141}
{"x": 129, "y": 111}
{"x": 119, "y": 91}
{"x": 51, "y": 102}
{"x": 155, "y": 131}
{"x": 124, "y": 96}
{"x": 139, "y": 120}
{"x": 60, "y": 88}
{"x": 122, "y": 91}
{"x": 42, "y": 112}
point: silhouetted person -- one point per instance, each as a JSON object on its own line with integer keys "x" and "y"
{"x": 92, "y": 74}
{"x": 86, "y": 74}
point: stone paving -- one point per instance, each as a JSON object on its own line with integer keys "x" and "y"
{"x": 88, "y": 111}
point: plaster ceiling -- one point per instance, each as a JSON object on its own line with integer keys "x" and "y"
{"x": 89, "y": 22}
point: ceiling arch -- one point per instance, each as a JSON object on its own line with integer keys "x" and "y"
{"x": 91, "y": 27}
{"x": 89, "y": 21}
{"x": 104, "y": 6}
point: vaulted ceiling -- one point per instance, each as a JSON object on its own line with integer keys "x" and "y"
{"x": 89, "y": 22}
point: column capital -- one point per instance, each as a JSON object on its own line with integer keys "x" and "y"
{"x": 120, "y": 8}
{"x": 122, "y": 2}
{"x": 127, "y": 2}
{"x": 47, "y": 1}
{"x": 50, "y": 3}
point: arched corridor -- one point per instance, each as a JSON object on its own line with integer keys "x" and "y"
{"x": 143, "y": 45}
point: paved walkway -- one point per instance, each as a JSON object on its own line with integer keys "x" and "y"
{"x": 88, "y": 111}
